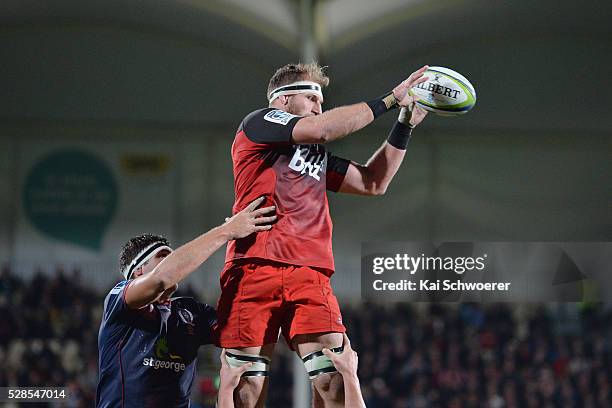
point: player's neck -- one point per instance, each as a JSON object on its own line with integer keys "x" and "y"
{"x": 276, "y": 105}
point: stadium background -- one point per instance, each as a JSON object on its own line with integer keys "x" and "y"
{"x": 117, "y": 119}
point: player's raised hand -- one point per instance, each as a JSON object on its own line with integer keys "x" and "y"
{"x": 413, "y": 114}
{"x": 417, "y": 115}
{"x": 345, "y": 362}
{"x": 401, "y": 92}
{"x": 250, "y": 220}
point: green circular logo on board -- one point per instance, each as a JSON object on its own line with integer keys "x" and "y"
{"x": 71, "y": 196}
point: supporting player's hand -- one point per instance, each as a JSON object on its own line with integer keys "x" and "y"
{"x": 229, "y": 376}
{"x": 250, "y": 220}
{"x": 345, "y": 362}
{"x": 402, "y": 91}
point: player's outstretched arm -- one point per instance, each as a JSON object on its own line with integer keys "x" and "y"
{"x": 184, "y": 260}
{"x": 374, "y": 177}
{"x": 339, "y": 122}
{"x": 229, "y": 379}
{"x": 333, "y": 124}
{"x": 346, "y": 364}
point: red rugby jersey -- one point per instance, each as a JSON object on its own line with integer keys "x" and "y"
{"x": 292, "y": 177}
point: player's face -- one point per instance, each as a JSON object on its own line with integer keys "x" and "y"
{"x": 304, "y": 104}
{"x": 152, "y": 263}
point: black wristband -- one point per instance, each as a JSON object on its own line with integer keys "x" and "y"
{"x": 383, "y": 104}
{"x": 399, "y": 135}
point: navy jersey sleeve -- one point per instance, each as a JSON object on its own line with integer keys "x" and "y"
{"x": 207, "y": 318}
{"x": 336, "y": 170}
{"x": 269, "y": 126}
{"x": 114, "y": 305}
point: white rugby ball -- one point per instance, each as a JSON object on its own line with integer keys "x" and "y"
{"x": 446, "y": 92}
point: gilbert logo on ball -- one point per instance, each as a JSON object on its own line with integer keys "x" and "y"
{"x": 446, "y": 92}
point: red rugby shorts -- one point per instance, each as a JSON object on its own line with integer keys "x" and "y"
{"x": 259, "y": 297}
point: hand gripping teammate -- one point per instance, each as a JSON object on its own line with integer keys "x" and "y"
{"x": 279, "y": 279}
{"x": 148, "y": 342}
{"x": 345, "y": 362}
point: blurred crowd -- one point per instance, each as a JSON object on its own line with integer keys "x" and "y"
{"x": 475, "y": 355}
{"x": 49, "y": 333}
{"x": 424, "y": 355}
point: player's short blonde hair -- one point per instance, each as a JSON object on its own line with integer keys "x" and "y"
{"x": 298, "y": 72}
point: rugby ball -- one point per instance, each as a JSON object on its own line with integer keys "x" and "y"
{"x": 446, "y": 92}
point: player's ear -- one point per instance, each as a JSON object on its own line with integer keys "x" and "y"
{"x": 138, "y": 272}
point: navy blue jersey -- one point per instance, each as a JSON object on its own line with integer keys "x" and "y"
{"x": 148, "y": 356}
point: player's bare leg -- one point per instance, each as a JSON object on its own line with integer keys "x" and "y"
{"x": 251, "y": 391}
{"x": 327, "y": 388}
{"x": 317, "y": 400}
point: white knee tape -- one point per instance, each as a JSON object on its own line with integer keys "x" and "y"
{"x": 318, "y": 363}
{"x": 260, "y": 367}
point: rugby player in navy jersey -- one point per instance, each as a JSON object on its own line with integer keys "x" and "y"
{"x": 279, "y": 280}
{"x": 148, "y": 341}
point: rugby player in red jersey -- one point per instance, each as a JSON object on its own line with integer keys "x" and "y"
{"x": 278, "y": 280}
